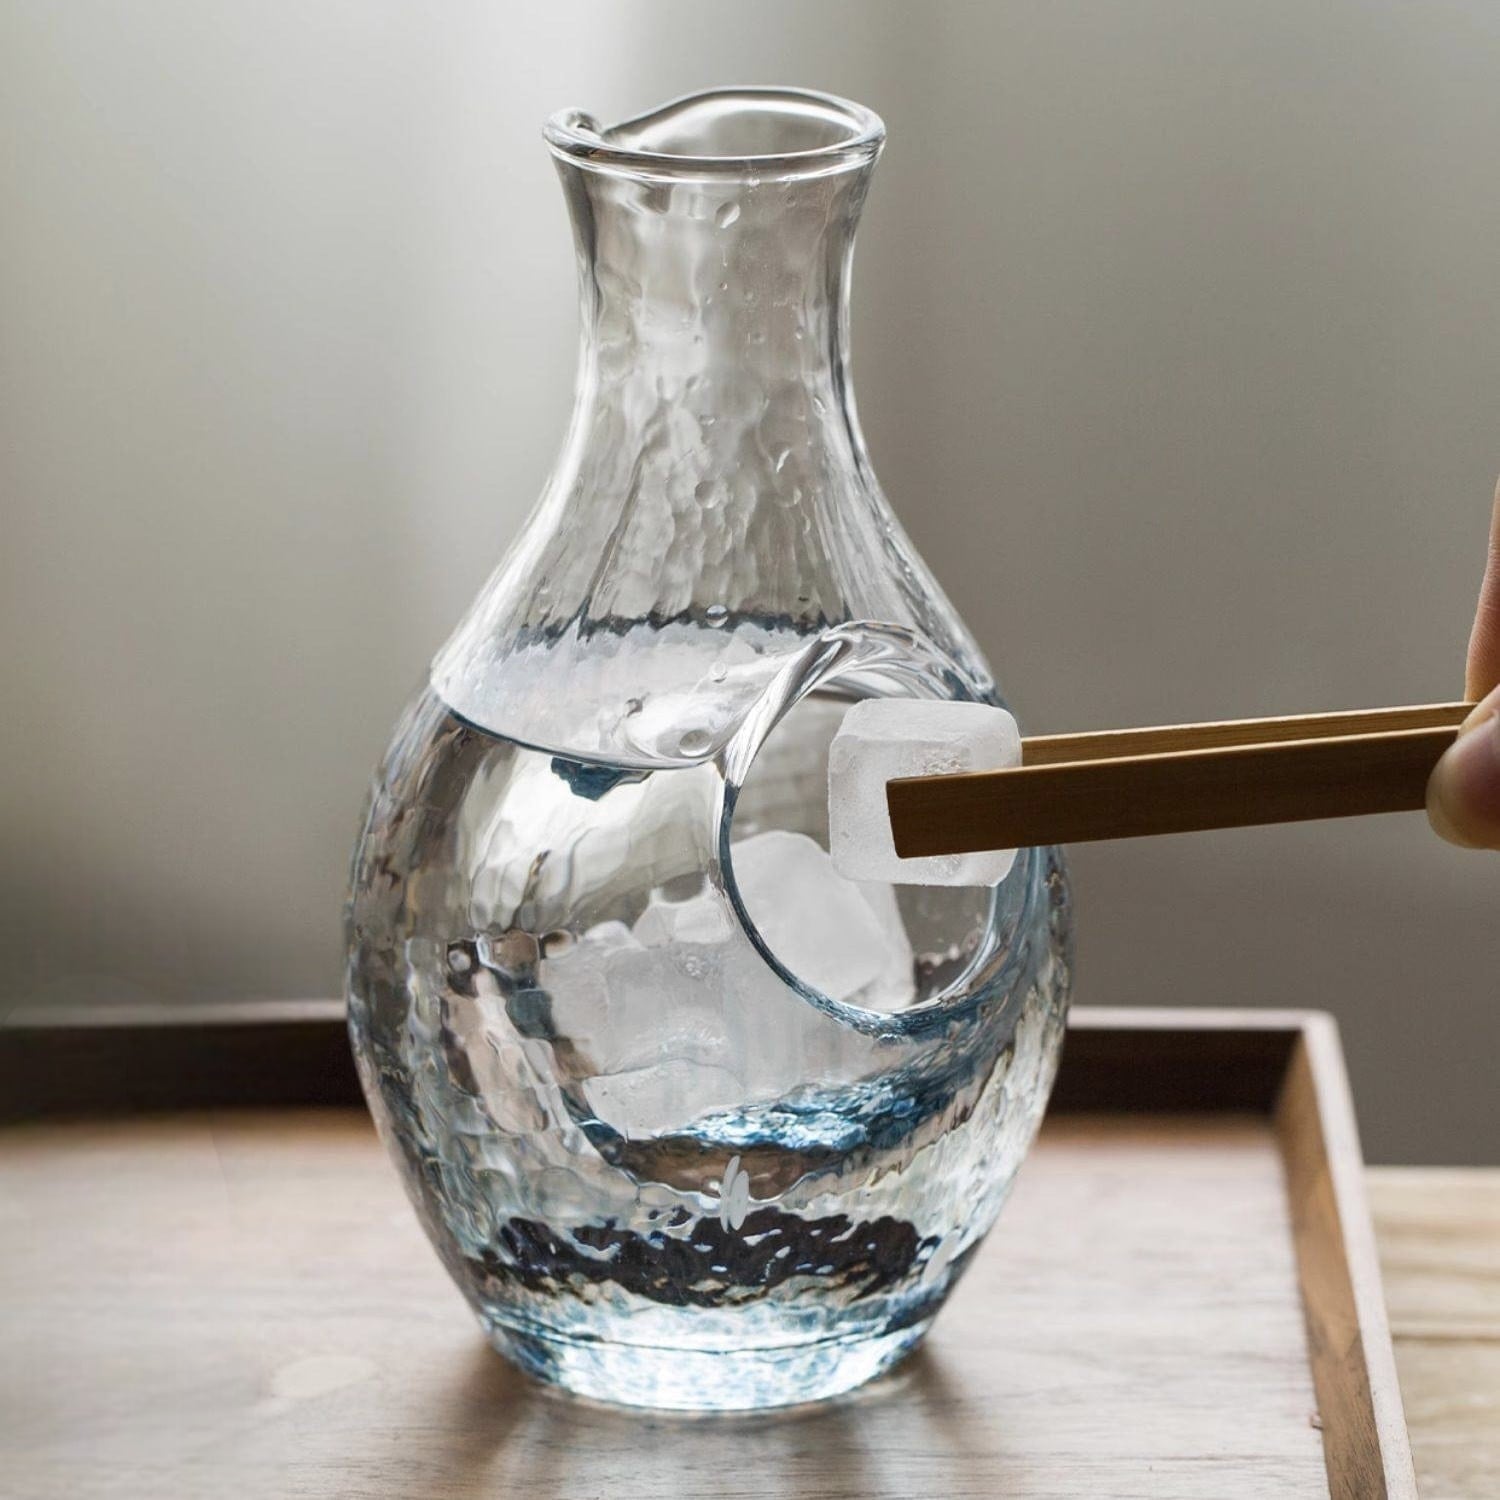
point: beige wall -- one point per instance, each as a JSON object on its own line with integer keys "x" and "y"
{"x": 1178, "y": 342}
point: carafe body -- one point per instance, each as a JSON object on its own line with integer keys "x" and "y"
{"x": 692, "y": 1120}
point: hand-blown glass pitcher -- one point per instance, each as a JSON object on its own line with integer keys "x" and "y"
{"x": 693, "y": 1120}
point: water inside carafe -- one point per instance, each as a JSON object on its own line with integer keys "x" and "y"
{"x": 589, "y": 1056}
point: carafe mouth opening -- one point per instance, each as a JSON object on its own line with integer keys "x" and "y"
{"x": 725, "y": 132}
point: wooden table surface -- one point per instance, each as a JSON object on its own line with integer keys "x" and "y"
{"x": 221, "y": 1250}
{"x": 1439, "y": 1235}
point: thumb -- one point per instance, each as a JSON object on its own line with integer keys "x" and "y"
{"x": 1484, "y": 641}
{"x": 1463, "y": 794}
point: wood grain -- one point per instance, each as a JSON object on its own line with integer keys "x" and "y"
{"x": 61, "y": 1061}
{"x": 103, "y": 1059}
{"x": 1439, "y": 1233}
{"x": 1121, "y": 1058}
{"x": 1353, "y": 1368}
{"x": 1237, "y": 786}
{"x": 1162, "y": 739}
{"x": 242, "y": 1304}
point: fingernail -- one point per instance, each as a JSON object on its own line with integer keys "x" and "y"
{"x": 1463, "y": 794}
{"x": 1487, "y": 707}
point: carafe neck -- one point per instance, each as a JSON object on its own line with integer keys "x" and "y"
{"x": 714, "y": 312}
{"x": 727, "y": 298}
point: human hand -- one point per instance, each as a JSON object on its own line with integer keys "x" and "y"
{"x": 1463, "y": 794}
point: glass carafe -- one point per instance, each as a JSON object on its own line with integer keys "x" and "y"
{"x": 692, "y": 1120}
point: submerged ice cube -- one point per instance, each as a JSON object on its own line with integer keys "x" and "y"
{"x": 661, "y": 1023}
{"x": 885, "y": 738}
{"x": 703, "y": 918}
{"x": 837, "y": 937}
{"x": 895, "y": 985}
{"x": 671, "y": 1024}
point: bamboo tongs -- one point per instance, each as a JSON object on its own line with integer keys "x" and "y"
{"x": 1124, "y": 783}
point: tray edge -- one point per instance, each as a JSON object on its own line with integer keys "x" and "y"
{"x": 1349, "y": 1341}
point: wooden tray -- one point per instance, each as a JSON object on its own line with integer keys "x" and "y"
{"x": 1181, "y": 1299}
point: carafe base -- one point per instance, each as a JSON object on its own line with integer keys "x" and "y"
{"x": 703, "y": 1380}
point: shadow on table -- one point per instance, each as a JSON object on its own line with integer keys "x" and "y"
{"x": 497, "y": 1428}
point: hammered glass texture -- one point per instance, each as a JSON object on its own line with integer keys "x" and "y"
{"x": 663, "y": 1166}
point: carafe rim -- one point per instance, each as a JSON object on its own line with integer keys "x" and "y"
{"x": 654, "y": 144}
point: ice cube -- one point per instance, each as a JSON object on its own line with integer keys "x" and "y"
{"x": 687, "y": 1033}
{"x": 895, "y": 985}
{"x": 821, "y": 926}
{"x": 607, "y": 936}
{"x": 883, "y": 738}
{"x": 577, "y": 985}
{"x": 683, "y": 1017}
{"x": 662, "y": 1096}
{"x": 703, "y": 918}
